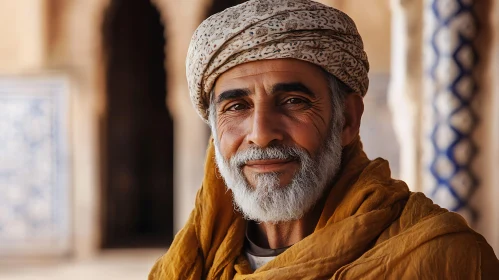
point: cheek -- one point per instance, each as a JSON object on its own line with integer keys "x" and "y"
{"x": 307, "y": 136}
{"x": 310, "y": 129}
{"x": 230, "y": 135}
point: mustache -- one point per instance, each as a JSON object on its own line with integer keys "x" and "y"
{"x": 272, "y": 152}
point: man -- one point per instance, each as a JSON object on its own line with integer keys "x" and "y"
{"x": 288, "y": 192}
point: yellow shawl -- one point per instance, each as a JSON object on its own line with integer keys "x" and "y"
{"x": 371, "y": 227}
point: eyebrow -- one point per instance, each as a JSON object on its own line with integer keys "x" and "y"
{"x": 232, "y": 94}
{"x": 292, "y": 87}
{"x": 280, "y": 87}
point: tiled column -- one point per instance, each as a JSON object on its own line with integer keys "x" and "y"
{"x": 449, "y": 116}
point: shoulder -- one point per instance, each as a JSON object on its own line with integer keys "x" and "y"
{"x": 439, "y": 242}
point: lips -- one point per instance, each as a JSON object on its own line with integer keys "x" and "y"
{"x": 269, "y": 165}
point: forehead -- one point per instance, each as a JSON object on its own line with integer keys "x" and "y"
{"x": 270, "y": 72}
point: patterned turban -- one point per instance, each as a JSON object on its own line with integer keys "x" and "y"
{"x": 272, "y": 29}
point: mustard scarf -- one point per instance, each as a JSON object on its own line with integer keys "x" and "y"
{"x": 371, "y": 227}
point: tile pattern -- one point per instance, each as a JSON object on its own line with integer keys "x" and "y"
{"x": 34, "y": 173}
{"x": 451, "y": 59}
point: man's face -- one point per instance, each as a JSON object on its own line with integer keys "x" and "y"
{"x": 274, "y": 135}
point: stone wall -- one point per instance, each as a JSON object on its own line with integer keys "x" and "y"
{"x": 64, "y": 37}
{"x": 23, "y": 32}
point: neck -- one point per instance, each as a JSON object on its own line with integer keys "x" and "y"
{"x": 285, "y": 234}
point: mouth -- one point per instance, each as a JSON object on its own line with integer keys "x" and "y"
{"x": 269, "y": 165}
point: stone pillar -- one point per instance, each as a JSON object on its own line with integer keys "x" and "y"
{"x": 404, "y": 96}
{"x": 449, "y": 117}
{"x": 487, "y": 132}
{"x": 493, "y": 235}
{"x": 191, "y": 134}
{"x": 75, "y": 45}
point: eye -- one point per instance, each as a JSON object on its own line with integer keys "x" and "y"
{"x": 237, "y": 107}
{"x": 294, "y": 100}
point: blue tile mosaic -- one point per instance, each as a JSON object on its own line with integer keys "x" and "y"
{"x": 34, "y": 166}
{"x": 452, "y": 60}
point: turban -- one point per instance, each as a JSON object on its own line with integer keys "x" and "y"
{"x": 273, "y": 29}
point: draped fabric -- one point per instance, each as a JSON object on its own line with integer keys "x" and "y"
{"x": 371, "y": 227}
{"x": 273, "y": 29}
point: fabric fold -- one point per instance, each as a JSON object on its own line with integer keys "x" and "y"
{"x": 370, "y": 224}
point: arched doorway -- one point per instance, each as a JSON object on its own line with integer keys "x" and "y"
{"x": 138, "y": 146}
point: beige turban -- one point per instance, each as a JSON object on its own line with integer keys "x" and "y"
{"x": 272, "y": 29}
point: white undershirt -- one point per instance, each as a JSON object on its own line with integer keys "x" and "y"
{"x": 257, "y": 262}
{"x": 256, "y": 255}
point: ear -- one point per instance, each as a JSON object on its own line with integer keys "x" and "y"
{"x": 354, "y": 108}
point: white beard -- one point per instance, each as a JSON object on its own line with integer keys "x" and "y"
{"x": 267, "y": 201}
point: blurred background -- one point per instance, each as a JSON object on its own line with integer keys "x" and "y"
{"x": 101, "y": 152}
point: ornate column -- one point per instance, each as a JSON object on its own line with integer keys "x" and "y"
{"x": 449, "y": 116}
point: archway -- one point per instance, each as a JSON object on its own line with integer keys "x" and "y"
{"x": 138, "y": 145}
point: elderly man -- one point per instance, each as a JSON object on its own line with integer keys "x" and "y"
{"x": 288, "y": 192}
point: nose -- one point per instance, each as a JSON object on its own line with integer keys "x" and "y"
{"x": 266, "y": 128}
